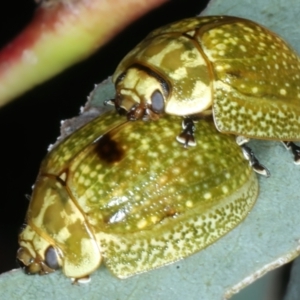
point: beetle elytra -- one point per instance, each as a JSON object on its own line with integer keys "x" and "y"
{"x": 113, "y": 193}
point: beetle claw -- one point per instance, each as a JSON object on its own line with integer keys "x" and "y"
{"x": 254, "y": 162}
{"x": 295, "y": 150}
{"x": 261, "y": 169}
{"x": 186, "y": 137}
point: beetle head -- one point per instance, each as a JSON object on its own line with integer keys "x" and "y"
{"x": 141, "y": 93}
{"x": 36, "y": 255}
{"x": 57, "y": 234}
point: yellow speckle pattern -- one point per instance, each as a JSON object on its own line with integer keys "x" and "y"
{"x": 256, "y": 93}
{"x": 134, "y": 198}
{"x": 60, "y": 156}
{"x": 237, "y": 66}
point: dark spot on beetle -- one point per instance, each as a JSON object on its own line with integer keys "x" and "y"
{"x": 109, "y": 150}
{"x": 234, "y": 74}
{"x": 170, "y": 212}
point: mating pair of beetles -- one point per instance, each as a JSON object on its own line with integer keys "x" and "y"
{"x": 101, "y": 193}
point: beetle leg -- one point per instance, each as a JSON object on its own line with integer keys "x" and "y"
{"x": 249, "y": 155}
{"x": 186, "y": 137}
{"x": 254, "y": 162}
{"x": 241, "y": 140}
{"x": 295, "y": 150}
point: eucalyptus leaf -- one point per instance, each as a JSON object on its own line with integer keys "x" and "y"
{"x": 268, "y": 238}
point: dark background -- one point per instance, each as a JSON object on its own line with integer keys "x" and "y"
{"x": 22, "y": 146}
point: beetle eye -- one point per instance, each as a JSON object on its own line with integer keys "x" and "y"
{"x": 157, "y": 101}
{"x": 51, "y": 258}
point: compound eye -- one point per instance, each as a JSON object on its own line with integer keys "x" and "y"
{"x": 51, "y": 258}
{"x": 158, "y": 102}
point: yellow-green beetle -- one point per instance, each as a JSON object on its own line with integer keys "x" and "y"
{"x": 113, "y": 193}
{"x": 243, "y": 74}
